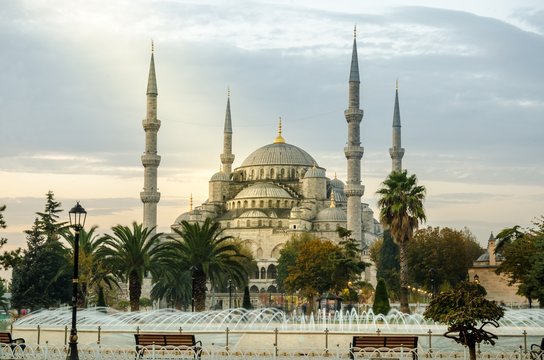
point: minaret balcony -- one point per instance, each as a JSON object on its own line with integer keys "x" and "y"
{"x": 396, "y": 152}
{"x": 353, "y": 115}
{"x": 227, "y": 158}
{"x": 354, "y": 190}
{"x": 151, "y": 124}
{"x": 150, "y": 196}
{"x": 354, "y": 152}
{"x": 151, "y": 160}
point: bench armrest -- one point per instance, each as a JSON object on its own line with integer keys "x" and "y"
{"x": 18, "y": 341}
{"x": 537, "y": 348}
{"x": 198, "y": 342}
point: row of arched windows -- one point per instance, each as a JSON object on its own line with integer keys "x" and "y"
{"x": 271, "y": 173}
{"x": 255, "y": 223}
{"x": 265, "y": 273}
{"x": 256, "y": 204}
{"x": 255, "y": 289}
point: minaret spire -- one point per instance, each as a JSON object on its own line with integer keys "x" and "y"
{"x": 150, "y": 160}
{"x": 396, "y": 151}
{"x": 353, "y": 150}
{"x": 227, "y": 157}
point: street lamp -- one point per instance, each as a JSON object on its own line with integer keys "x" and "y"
{"x": 230, "y": 294}
{"x": 476, "y": 279}
{"x": 77, "y": 220}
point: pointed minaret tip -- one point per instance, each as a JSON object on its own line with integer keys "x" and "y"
{"x": 355, "y": 31}
{"x": 228, "y": 91}
{"x": 396, "y": 111}
{"x": 228, "y": 119}
{"x": 279, "y": 139}
{"x": 191, "y": 202}
{"x": 152, "y": 79}
{"x": 354, "y": 69}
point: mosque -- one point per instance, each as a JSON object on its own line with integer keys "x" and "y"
{"x": 279, "y": 190}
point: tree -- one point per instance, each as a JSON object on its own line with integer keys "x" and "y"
{"x": 246, "y": 303}
{"x": 385, "y": 254}
{"x": 523, "y": 260}
{"x": 41, "y": 273}
{"x": 288, "y": 257}
{"x": 3, "y": 224}
{"x": 381, "y": 299}
{"x": 93, "y": 273}
{"x": 466, "y": 311}
{"x": 209, "y": 255}
{"x": 172, "y": 282}
{"x": 449, "y": 252}
{"x": 401, "y": 209}
{"x": 131, "y": 254}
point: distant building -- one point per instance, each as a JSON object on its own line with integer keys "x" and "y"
{"x": 483, "y": 270}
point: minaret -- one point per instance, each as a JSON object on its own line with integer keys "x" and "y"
{"x": 353, "y": 150}
{"x": 396, "y": 152}
{"x": 150, "y": 160}
{"x": 227, "y": 157}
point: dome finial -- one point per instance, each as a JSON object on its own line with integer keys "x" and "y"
{"x": 152, "y": 46}
{"x": 335, "y": 175}
{"x": 279, "y": 139}
{"x": 228, "y": 91}
{"x": 191, "y": 202}
{"x": 333, "y": 201}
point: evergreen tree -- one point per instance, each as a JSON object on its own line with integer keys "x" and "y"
{"x": 381, "y": 299}
{"x": 3, "y": 224}
{"x": 389, "y": 267}
{"x": 246, "y": 302}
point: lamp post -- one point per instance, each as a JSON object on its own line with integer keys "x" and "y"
{"x": 476, "y": 279}
{"x": 230, "y": 294}
{"x": 77, "y": 220}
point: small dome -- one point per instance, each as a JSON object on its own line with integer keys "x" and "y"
{"x": 253, "y": 214}
{"x": 314, "y": 172}
{"x": 220, "y": 176}
{"x": 263, "y": 190}
{"x": 332, "y": 214}
{"x": 339, "y": 195}
{"x": 337, "y": 183}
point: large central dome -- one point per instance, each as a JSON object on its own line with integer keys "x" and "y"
{"x": 279, "y": 154}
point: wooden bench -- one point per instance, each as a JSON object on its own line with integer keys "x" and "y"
{"x": 5, "y": 338}
{"x": 537, "y": 351}
{"x": 170, "y": 342}
{"x": 362, "y": 343}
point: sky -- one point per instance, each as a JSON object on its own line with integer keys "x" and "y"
{"x": 74, "y": 74}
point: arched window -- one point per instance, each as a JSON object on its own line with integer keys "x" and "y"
{"x": 327, "y": 227}
{"x": 269, "y": 223}
{"x": 245, "y": 204}
{"x": 282, "y": 173}
{"x": 280, "y": 224}
{"x": 252, "y": 203}
{"x": 261, "y": 203}
{"x": 270, "y": 203}
{"x": 248, "y": 223}
{"x": 260, "y": 223}
{"x": 259, "y": 253}
{"x": 261, "y": 173}
{"x": 278, "y": 204}
{"x": 271, "y": 173}
{"x": 263, "y": 273}
{"x": 252, "y": 174}
{"x": 254, "y": 289}
{"x": 238, "y": 204}
{"x": 271, "y": 273}
{"x": 271, "y": 289}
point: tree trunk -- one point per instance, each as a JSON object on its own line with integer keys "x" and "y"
{"x": 134, "y": 291}
{"x": 403, "y": 296}
{"x": 472, "y": 351}
{"x": 199, "y": 291}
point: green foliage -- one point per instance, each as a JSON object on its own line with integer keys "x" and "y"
{"x": 3, "y": 301}
{"x": 246, "y": 302}
{"x": 320, "y": 266}
{"x": 385, "y": 254}
{"x": 130, "y": 254}
{"x": 41, "y": 273}
{"x": 465, "y": 311}
{"x": 209, "y": 255}
{"x": 381, "y": 299}
{"x": 171, "y": 282}
{"x": 145, "y": 303}
{"x": 288, "y": 257}
{"x": 400, "y": 200}
{"x": 3, "y": 224}
{"x": 448, "y": 251}
{"x": 523, "y": 260}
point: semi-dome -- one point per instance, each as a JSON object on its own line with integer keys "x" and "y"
{"x": 331, "y": 214}
{"x": 220, "y": 176}
{"x": 263, "y": 190}
{"x": 253, "y": 214}
{"x": 314, "y": 172}
{"x": 279, "y": 154}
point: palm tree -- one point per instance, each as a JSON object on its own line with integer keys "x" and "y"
{"x": 131, "y": 253}
{"x": 209, "y": 255}
{"x": 401, "y": 209}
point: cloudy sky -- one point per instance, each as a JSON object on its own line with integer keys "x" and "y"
{"x": 74, "y": 73}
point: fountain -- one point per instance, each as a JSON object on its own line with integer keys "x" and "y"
{"x": 241, "y": 328}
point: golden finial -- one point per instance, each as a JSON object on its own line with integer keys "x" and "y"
{"x": 333, "y": 201}
{"x": 335, "y": 175}
{"x": 355, "y": 31}
{"x": 228, "y": 91}
{"x": 152, "y": 46}
{"x": 279, "y": 139}
{"x": 191, "y": 202}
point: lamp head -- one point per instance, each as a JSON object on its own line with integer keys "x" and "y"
{"x": 77, "y": 216}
